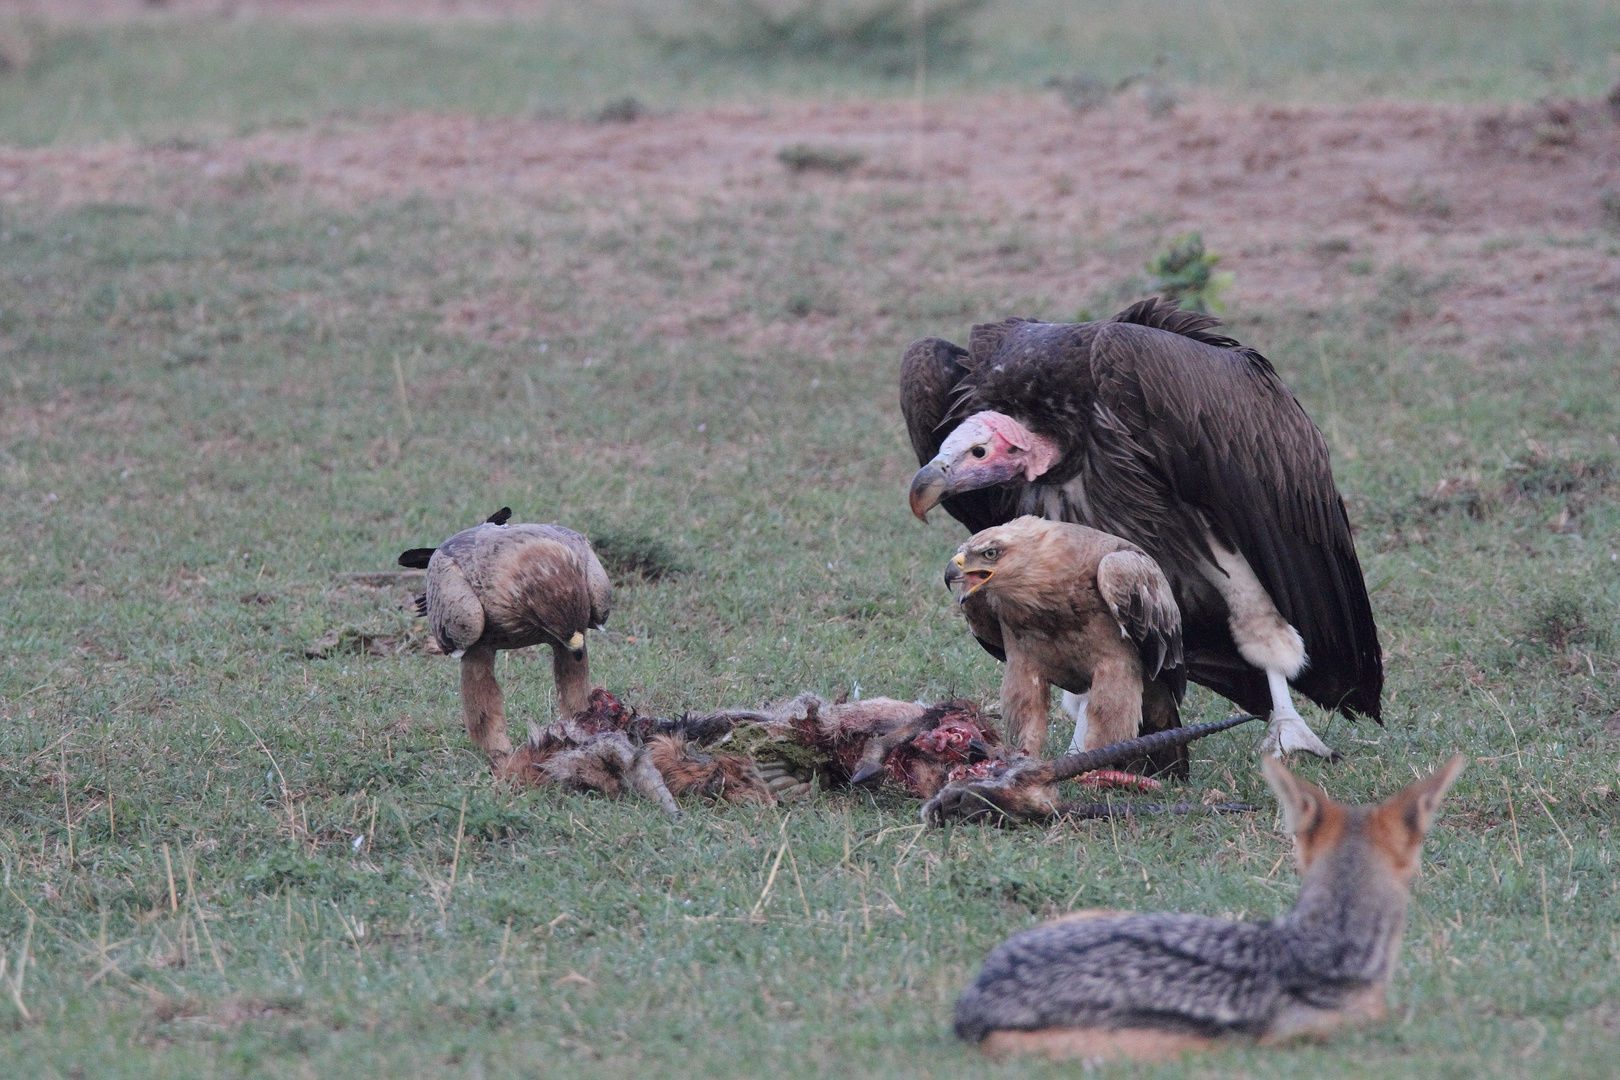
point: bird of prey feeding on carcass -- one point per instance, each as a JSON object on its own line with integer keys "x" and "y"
{"x": 1154, "y": 428}
{"x": 501, "y": 586}
{"x": 1089, "y": 612}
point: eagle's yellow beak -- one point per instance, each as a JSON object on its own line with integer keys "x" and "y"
{"x": 976, "y": 581}
{"x": 961, "y": 583}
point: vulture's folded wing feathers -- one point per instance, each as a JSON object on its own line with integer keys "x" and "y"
{"x": 1223, "y": 434}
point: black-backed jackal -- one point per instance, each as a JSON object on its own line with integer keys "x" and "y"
{"x": 1154, "y": 986}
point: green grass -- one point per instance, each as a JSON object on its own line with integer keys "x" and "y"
{"x": 167, "y": 77}
{"x": 203, "y": 426}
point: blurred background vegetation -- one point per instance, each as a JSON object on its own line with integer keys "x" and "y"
{"x": 166, "y": 74}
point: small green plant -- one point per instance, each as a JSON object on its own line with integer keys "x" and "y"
{"x": 802, "y": 158}
{"x": 1560, "y": 621}
{"x": 1185, "y": 272}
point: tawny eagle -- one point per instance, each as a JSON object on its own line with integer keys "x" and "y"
{"x": 1071, "y": 606}
{"x": 1154, "y": 428}
{"x": 500, "y": 586}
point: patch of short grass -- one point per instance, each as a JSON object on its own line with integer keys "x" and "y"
{"x": 203, "y": 427}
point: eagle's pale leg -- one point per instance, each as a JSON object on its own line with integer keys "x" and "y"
{"x": 1288, "y": 732}
{"x": 1026, "y": 702}
{"x": 482, "y": 704}
{"x": 1074, "y": 707}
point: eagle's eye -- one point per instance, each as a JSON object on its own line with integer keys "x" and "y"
{"x": 990, "y": 554}
{"x": 979, "y": 451}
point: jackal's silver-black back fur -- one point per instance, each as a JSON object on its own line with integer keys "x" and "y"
{"x": 1171, "y": 972}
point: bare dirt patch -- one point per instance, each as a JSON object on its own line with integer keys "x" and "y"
{"x": 1489, "y": 223}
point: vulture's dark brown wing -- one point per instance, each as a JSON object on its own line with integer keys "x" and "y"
{"x": 1223, "y": 434}
{"x": 929, "y": 374}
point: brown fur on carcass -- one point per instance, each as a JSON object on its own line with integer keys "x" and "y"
{"x": 605, "y": 748}
{"x": 911, "y": 744}
{"x": 687, "y": 771}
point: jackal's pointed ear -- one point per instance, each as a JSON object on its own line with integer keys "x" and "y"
{"x": 1303, "y": 803}
{"x": 1419, "y": 801}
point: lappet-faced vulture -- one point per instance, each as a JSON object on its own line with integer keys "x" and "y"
{"x": 1154, "y": 428}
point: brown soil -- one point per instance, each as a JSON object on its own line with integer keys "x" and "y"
{"x": 1499, "y": 210}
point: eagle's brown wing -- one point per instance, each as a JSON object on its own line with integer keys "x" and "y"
{"x": 597, "y": 582}
{"x": 1138, "y": 594}
{"x": 455, "y": 614}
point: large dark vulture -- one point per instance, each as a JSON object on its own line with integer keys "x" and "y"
{"x": 1153, "y": 428}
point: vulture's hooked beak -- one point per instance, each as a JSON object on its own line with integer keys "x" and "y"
{"x": 981, "y": 465}
{"x": 576, "y": 645}
{"x": 928, "y": 487}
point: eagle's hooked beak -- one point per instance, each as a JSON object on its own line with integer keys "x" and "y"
{"x": 928, "y": 487}
{"x": 962, "y": 583}
{"x": 576, "y": 645}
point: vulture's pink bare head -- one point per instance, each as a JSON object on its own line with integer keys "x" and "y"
{"x": 986, "y": 449}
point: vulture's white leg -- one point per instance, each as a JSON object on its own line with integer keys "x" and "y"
{"x": 1266, "y": 640}
{"x": 1074, "y": 707}
{"x": 1288, "y": 732}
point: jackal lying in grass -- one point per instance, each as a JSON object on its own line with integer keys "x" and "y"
{"x": 1153, "y": 986}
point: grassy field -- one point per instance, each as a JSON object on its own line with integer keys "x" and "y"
{"x": 224, "y": 857}
{"x": 165, "y": 78}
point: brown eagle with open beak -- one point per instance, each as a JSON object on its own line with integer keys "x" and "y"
{"x": 1068, "y": 605}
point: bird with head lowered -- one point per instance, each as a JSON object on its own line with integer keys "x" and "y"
{"x": 509, "y": 586}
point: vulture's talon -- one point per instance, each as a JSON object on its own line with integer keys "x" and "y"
{"x": 1289, "y": 735}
